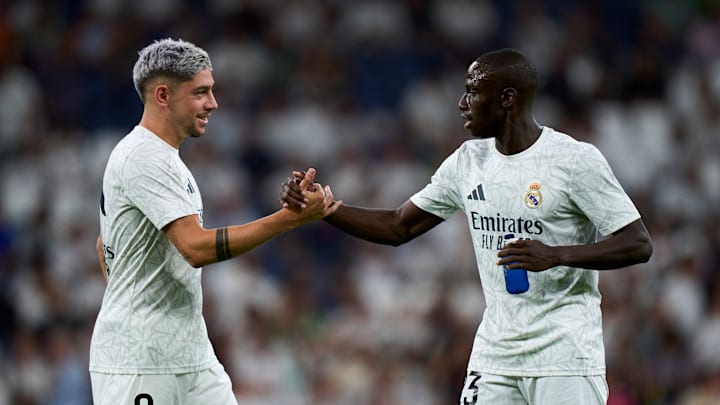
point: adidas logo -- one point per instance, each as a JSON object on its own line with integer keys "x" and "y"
{"x": 190, "y": 189}
{"x": 477, "y": 194}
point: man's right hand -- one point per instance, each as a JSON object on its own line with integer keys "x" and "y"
{"x": 310, "y": 200}
{"x": 291, "y": 193}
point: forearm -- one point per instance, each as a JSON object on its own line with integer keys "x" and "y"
{"x": 223, "y": 243}
{"x": 370, "y": 224}
{"x": 612, "y": 253}
{"x": 235, "y": 240}
{"x": 627, "y": 246}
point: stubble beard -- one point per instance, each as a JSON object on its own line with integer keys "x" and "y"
{"x": 193, "y": 130}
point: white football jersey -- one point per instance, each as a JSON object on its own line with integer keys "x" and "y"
{"x": 151, "y": 318}
{"x": 561, "y": 192}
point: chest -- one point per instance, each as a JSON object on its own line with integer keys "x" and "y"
{"x": 520, "y": 189}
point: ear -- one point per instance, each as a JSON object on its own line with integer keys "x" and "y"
{"x": 508, "y": 97}
{"x": 162, "y": 94}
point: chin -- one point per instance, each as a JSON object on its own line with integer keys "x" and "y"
{"x": 197, "y": 133}
{"x": 478, "y": 133}
{"x": 485, "y": 131}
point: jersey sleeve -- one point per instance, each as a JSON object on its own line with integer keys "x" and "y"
{"x": 440, "y": 196}
{"x": 598, "y": 194}
{"x": 157, "y": 188}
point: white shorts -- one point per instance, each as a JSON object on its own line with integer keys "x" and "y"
{"x": 482, "y": 389}
{"x": 211, "y": 386}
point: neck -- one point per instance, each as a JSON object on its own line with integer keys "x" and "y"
{"x": 518, "y": 135}
{"x": 162, "y": 127}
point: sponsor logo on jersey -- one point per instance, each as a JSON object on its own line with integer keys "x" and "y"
{"x": 477, "y": 194}
{"x": 533, "y": 197}
{"x": 499, "y": 223}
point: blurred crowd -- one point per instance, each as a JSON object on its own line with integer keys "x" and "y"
{"x": 366, "y": 92}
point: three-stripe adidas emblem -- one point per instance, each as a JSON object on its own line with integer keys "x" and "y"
{"x": 477, "y": 194}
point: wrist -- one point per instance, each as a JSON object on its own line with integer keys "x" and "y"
{"x": 561, "y": 255}
{"x": 290, "y": 218}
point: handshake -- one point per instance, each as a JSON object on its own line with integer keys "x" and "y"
{"x": 307, "y": 199}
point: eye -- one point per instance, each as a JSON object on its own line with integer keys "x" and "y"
{"x": 201, "y": 92}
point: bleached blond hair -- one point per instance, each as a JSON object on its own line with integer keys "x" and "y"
{"x": 174, "y": 58}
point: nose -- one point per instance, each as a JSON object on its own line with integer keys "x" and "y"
{"x": 212, "y": 102}
{"x": 462, "y": 103}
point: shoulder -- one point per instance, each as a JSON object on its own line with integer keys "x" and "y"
{"x": 561, "y": 142}
{"x": 475, "y": 148}
{"x": 469, "y": 152}
{"x": 130, "y": 143}
{"x": 139, "y": 152}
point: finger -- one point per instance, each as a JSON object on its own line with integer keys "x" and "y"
{"x": 308, "y": 179}
{"x": 333, "y": 207}
{"x": 298, "y": 176}
{"x": 514, "y": 266}
{"x": 514, "y": 244}
{"x": 328, "y": 194}
{"x": 509, "y": 250}
{"x": 509, "y": 260}
{"x": 291, "y": 195}
{"x": 285, "y": 202}
{"x": 292, "y": 190}
{"x": 315, "y": 188}
{"x": 331, "y": 204}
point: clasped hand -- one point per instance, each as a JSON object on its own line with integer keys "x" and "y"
{"x": 301, "y": 195}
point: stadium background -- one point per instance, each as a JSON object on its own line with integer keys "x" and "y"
{"x": 366, "y": 91}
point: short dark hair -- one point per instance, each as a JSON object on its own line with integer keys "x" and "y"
{"x": 510, "y": 67}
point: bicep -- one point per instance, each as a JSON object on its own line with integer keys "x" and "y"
{"x": 186, "y": 233}
{"x": 416, "y": 221}
{"x": 159, "y": 189}
{"x": 598, "y": 194}
{"x": 634, "y": 231}
{"x": 633, "y": 238}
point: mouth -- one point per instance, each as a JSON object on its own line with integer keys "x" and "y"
{"x": 203, "y": 118}
{"x": 467, "y": 119}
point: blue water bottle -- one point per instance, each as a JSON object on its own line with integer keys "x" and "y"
{"x": 516, "y": 280}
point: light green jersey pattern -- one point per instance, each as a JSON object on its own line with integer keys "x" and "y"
{"x": 561, "y": 192}
{"x": 151, "y": 318}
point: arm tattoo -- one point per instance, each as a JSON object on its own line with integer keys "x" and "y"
{"x": 222, "y": 244}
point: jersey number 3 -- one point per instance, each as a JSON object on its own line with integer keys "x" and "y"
{"x": 140, "y": 397}
{"x": 471, "y": 388}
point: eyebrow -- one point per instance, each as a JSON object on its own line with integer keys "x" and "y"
{"x": 204, "y": 87}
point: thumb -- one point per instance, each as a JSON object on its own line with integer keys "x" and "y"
{"x": 308, "y": 179}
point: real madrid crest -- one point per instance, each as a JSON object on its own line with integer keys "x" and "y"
{"x": 533, "y": 197}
